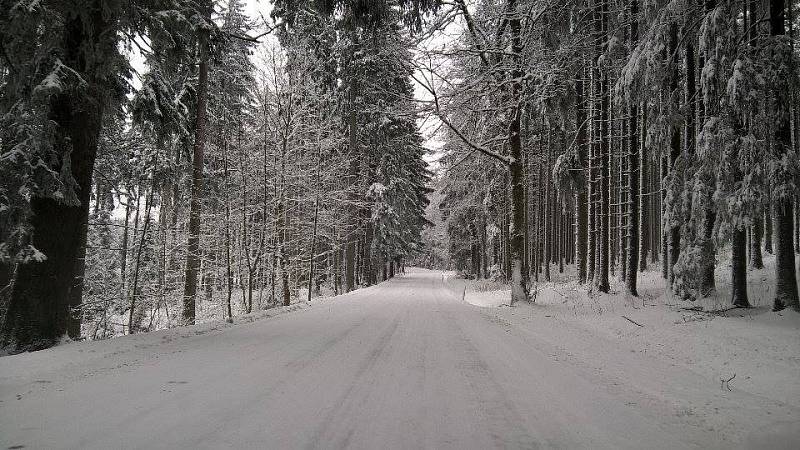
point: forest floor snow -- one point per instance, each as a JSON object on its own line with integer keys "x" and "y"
{"x": 409, "y": 364}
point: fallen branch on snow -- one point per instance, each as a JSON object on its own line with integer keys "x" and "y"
{"x": 726, "y": 383}
{"x": 632, "y": 321}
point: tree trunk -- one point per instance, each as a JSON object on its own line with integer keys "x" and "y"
{"x": 674, "y": 242}
{"x": 757, "y": 231}
{"x": 548, "y": 207}
{"x": 193, "y": 245}
{"x": 632, "y": 256}
{"x": 739, "y": 269}
{"x": 786, "y": 294}
{"x": 605, "y": 156}
{"x": 46, "y": 294}
{"x": 644, "y": 200}
{"x": 227, "y": 227}
{"x": 768, "y": 226}
{"x": 519, "y": 279}
{"x": 134, "y": 318}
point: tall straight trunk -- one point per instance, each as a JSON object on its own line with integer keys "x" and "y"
{"x": 796, "y": 224}
{"x": 605, "y": 154}
{"x": 134, "y": 318}
{"x": 561, "y": 226}
{"x": 674, "y": 241}
{"x": 350, "y": 245}
{"x": 312, "y": 253}
{"x": 663, "y": 228}
{"x": 46, "y": 295}
{"x": 123, "y": 262}
{"x": 281, "y": 251}
{"x": 592, "y": 187}
{"x": 643, "y": 200}
{"x": 519, "y": 279}
{"x": 708, "y": 260}
{"x": 227, "y": 227}
{"x": 786, "y": 294}
{"x": 337, "y": 272}
{"x": 162, "y": 235}
{"x": 623, "y": 198}
{"x": 484, "y": 255}
{"x": 537, "y": 222}
{"x": 367, "y": 258}
{"x": 548, "y": 215}
{"x": 526, "y": 266}
{"x": 193, "y": 245}
{"x": 632, "y": 255}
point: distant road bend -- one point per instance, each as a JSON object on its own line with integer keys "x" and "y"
{"x": 402, "y": 365}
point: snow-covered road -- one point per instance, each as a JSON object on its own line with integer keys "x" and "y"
{"x": 405, "y": 364}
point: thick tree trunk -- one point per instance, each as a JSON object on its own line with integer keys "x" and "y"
{"x": 519, "y": 278}
{"x": 674, "y": 242}
{"x": 46, "y": 294}
{"x": 193, "y": 245}
{"x": 786, "y": 294}
{"x": 739, "y": 269}
{"x": 632, "y": 256}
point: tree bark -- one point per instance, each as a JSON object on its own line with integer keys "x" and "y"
{"x": 632, "y": 256}
{"x": 46, "y": 294}
{"x": 739, "y": 269}
{"x": 644, "y": 200}
{"x": 674, "y": 242}
{"x": 605, "y": 153}
{"x": 519, "y": 279}
{"x": 193, "y": 244}
{"x": 786, "y": 294}
{"x": 548, "y": 207}
{"x": 134, "y": 318}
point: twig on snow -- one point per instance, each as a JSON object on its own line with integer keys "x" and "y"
{"x": 632, "y": 321}
{"x": 726, "y": 383}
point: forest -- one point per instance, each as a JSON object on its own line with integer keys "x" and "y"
{"x": 169, "y": 162}
{"x": 160, "y": 160}
{"x": 618, "y": 137}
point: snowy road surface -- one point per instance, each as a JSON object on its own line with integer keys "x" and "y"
{"x": 405, "y": 364}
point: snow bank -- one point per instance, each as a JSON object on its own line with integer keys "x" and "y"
{"x": 760, "y": 347}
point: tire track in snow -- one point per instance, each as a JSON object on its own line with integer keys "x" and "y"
{"x": 346, "y": 400}
{"x": 504, "y": 423}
